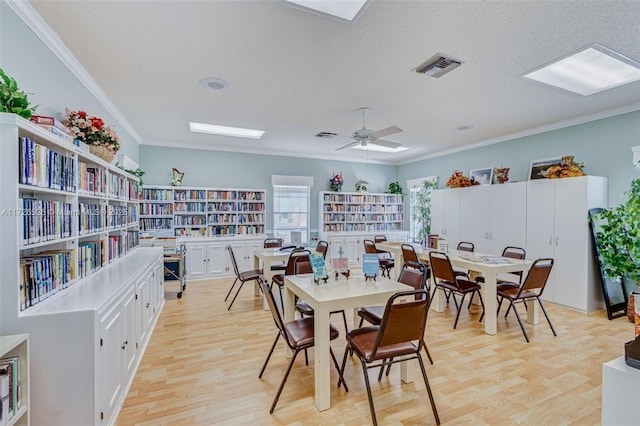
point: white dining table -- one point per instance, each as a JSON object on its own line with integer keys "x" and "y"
{"x": 484, "y": 264}
{"x": 262, "y": 259}
{"x": 335, "y": 295}
{"x": 480, "y": 264}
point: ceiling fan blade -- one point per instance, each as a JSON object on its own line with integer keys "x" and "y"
{"x": 348, "y": 145}
{"x": 382, "y": 142}
{"x": 386, "y": 132}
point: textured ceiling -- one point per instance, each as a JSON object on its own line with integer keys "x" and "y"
{"x": 294, "y": 74}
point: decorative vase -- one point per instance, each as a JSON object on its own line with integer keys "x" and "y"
{"x": 103, "y": 152}
{"x": 501, "y": 175}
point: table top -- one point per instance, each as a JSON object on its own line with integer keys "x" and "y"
{"x": 350, "y": 292}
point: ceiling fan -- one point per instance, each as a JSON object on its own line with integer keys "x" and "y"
{"x": 366, "y": 136}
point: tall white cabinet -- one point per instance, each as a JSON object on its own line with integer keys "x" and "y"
{"x": 548, "y": 217}
{"x": 558, "y": 227}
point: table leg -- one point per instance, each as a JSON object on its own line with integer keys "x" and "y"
{"x": 289, "y": 309}
{"x": 532, "y": 312}
{"x": 490, "y": 304}
{"x": 472, "y": 277}
{"x": 268, "y": 275}
{"x": 322, "y": 359}
{"x": 398, "y": 261}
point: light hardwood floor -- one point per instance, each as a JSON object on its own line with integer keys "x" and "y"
{"x": 202, "y": 363}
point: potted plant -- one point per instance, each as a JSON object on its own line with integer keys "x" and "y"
{"x": 13, "y": 99}
{"x": 421, "y": 207}
{"x": 395, "y": 188}
{"x": 619, "y": 238}
{"x": 102, "y": 140}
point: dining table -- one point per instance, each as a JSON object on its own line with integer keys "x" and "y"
{"x": 487, "y": 265}
{"x": 333, "y": 295}
{"x": 262, "y": 259}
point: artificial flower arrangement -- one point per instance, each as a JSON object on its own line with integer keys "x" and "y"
{"x": 458, "y": 180}
{"x": 92, "y": 131}
{"x": 335, "y": 183}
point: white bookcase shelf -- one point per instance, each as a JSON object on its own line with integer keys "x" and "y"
{"x": 360, "y": 212}
{"x": 73, "y": 277}
{"x": 202, "y": 212}
{"x": 17, "y": 346}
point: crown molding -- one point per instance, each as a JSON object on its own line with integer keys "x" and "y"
{"x": 43, "y": 31}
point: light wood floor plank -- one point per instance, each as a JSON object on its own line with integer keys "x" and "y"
{"x": 201, "y": 368}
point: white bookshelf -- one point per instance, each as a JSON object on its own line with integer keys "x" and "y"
{"x": 73, "y": 277}
{"x": 202, "y": 211}
{"x": 17, "y": 345}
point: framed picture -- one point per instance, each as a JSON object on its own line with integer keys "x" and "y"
{"x": 482, "y": 176}
{"x": 540, "y": 168}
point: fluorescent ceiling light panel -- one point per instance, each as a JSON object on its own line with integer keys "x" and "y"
{"x": 225, "y": 131}
{"x": 588, "y": 71}
{"x": 344, "y": 9}
{"x": 380, "y": 148}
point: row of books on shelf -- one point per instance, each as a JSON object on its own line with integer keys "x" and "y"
{"x": 44, "y": 220}
{"x": 92, "y": 255}
{"x": 190, "y": 220}
{"x": 44, "y": 167}
{"x": 239, "y": 218}
{"x": 44, "y": 274}
{"x": 363, "y": 208}
{"x": 362, "y": 198}
{"x": 118, "y": 186}
{"x": 92, "y": 218}
{"x": 219, "y": 230}
{"x": 156, "y": 209}
{"x": 154, "y": 224}
{"x": 10, "y": 388}
{"x": 151, "y": 194}
{"x": 362, "y": 227}
{"x": 92, "y": 180}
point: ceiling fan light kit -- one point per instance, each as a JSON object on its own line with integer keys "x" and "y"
{"x": 364, "y": 137}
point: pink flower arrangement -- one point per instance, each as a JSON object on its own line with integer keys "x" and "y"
{"x": 91, "y": 130}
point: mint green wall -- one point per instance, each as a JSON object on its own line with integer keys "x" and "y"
{"x": 235, "y": 170}
{"x": 604, "y": 146}
{"x": 49, "y": 83}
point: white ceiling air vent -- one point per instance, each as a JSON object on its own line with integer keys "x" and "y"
{"x": 326, "y": 135}
{"x": 437, "y": 65}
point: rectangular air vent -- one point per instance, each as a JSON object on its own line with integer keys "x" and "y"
{"x": 437, "y": 65}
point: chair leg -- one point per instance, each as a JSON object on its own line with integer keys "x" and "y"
{"x": 335, "y": 362}
{"x": 229, "y": 292}
{"x": 361, "y": 321}
{"x": 546, "y": 316}
{"x": 455, "y": 324}
{"x": 344, "y": 362}
{"x": 481, "y": 304}
{"x": 526, "y": 337}
{"x": 284, "y": 379}
{"x": 234, "y": 297}
{"x": 424, "y": 345}
{"x": 306, "y": 358}
{"x": 366, "y": 380}
{"x": 266, "y": 361}
{"x": 426, "y": 383}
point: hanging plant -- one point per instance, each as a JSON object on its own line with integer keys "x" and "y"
{"x": 13, "y": 99}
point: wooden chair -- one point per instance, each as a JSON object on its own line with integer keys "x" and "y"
{"x": 289, "y": 268}
{"x": 297, "y": 334}
{"x": 444, "y": 279}
{"x": 530, "y": 290}
{"x": 322, "y": 248}
{"x": 392, "y": 341}
{"x": 275, "y": 243}
{"x": 386, "y": 265}
{"x": 512, "y": 253}
{"x": 244, "y": 276}
{"x": 416, "y": 278}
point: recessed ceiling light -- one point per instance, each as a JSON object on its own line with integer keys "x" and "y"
{"x": 344, "y": 9}
{"x": 588, "y": 71}
{"x": 225, "y": 131}
{"x": 215, "y": 83}
{"x": 380, "y": 148}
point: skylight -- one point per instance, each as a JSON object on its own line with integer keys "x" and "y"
{"x": 225, "y": 131}
{"x": 380, "y": 148}
{"x": 588, "y": 71}
{"x": 344, "y": 9}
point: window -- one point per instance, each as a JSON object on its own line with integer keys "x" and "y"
{"x": 420, "y": 206}
{"x": 291, "y": 205}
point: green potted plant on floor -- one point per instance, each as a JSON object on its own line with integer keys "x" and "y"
{"x": 421, "y": 207}
{"x": 13, "y": 99}
{"x": 619, "y": 237}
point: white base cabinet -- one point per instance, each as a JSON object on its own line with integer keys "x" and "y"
{"x": 208, "y": 258}
{"x": 86, "y": 346}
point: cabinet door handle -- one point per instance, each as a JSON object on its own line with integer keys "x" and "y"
{"x": 491, "y": 235}
{"x": 551, "y": 240}
{"x": 557, "y": 240}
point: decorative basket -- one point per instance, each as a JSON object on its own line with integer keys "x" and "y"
{"x": 103, "y": 152}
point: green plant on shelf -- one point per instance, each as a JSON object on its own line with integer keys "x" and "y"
{"x": 395, "y": 188}
{"x": 137, "y": 172}
{"x": 13, "y": 99}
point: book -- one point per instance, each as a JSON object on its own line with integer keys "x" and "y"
{"x": 15, "y": 400}
{"x": 318, "y": 266}
{"x": 370, "y": 264}
{"x": 44, "y": 120}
